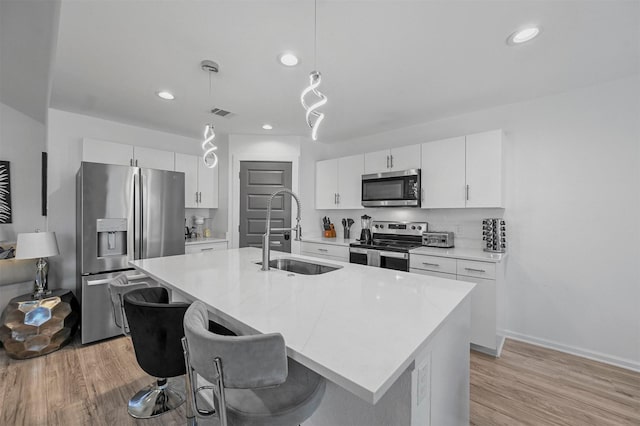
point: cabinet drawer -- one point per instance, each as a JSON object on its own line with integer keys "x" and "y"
{"x": 432, "y": 263}
{"x": 197, "y": 248}
{"x": 472, "y": 268}
{"x": 433, "y": 274}
{"x": 312, "y": 249}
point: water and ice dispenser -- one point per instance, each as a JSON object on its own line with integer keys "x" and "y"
{"x": 112, "y": 237}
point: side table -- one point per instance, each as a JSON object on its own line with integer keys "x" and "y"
{"x": 33, "y": 327}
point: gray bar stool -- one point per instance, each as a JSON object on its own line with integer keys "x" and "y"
{"x": 254, "y": 383}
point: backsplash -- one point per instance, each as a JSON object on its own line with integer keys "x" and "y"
{"x": 466, "y": 224}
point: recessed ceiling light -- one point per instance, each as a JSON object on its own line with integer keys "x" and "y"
{"x": 524, "y": 35}
{"x": 166, "y": 95}
{"x": 288, "y": 59}
{"x": 267, "y": 126}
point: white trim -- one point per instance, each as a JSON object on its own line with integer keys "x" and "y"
{"x": 234, "y": 187}
{"x": 584, "y": 353}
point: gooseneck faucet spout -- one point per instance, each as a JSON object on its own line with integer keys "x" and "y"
{"x": 265, "y": 238}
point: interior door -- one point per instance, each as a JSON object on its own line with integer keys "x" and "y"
{"x": 258, "y": 180}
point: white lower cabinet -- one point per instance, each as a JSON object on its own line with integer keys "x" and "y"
{"x": 325, "y": 251}
{"x": 197, "y": 248}
{"x": 484, "y": 307}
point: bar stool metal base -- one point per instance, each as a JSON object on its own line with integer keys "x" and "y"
{"x": 155, "y": 400}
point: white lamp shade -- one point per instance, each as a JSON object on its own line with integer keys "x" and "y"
{"x": 34, "y": 245}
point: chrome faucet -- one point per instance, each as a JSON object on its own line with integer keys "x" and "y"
{"x": 265, "y": 238}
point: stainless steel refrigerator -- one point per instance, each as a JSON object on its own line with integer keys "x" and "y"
{"x": 122, "y": 213}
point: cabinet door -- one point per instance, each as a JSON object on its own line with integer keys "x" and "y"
{"x": 350, "y": 170}
{"x": 443, "y": 173}
{"x": 97, "y": 151}
{"x": 207, "y": 186}
{"x": 376, "y": 162}
{"x": 484, "y": 169}
{"x": 405, "y": 158}
{"x": 153, "y": 158}
{"x": 188, "y": 164}
{"x": 326, "y": 184}
{"x": 483, "y": 311}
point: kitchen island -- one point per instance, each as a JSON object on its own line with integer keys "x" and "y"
{"x": 393, "y": 346}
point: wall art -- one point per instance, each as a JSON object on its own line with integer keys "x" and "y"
{"x": 5, "y": 192}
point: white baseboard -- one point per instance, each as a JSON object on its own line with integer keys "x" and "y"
{"x": 584, "y": 353}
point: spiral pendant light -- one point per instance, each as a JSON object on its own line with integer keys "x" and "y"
{"x": 313, "y": 117}
{"x": 209, "y": 156}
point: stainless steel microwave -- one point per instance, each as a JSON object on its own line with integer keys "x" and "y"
{"x": 391, "y": 189}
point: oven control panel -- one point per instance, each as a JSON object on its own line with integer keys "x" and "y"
{"x": 399, "y": 228}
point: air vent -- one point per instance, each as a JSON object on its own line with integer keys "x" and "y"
{"x": 222, "y": 113}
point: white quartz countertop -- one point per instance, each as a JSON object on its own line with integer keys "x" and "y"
{"x": 461, "y": 253}
{"x": 192, "y": 241}
{"x": 333, "y": 241}
{"x": 358, "y": 326}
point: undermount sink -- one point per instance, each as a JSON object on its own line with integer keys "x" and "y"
{"x": 300, "y": 266}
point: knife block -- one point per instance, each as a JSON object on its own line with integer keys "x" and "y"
{"x": 331, "y": 233}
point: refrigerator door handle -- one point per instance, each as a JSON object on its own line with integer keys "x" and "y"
{"x": 137, "y": 215}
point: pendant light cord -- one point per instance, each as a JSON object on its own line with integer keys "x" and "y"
{"x": 315, "y": 34}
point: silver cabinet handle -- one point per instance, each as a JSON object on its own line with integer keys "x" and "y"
{"x": 200, "y": 196}
{"x": 136, "y": 163}
{"x": 338, "y": 198}
{"x": 387, "y": 161}
{"x": 430, "y": 264}
{"x": 276, "y": 243}
{"x": 391, "y": 160}
{"x": 467, "y": 194}
{"x": 131, "y": 161}
{"x": 196, "y": 197}
{"x": 323, "y": 250}
{"x": 207, "y": 249}
{"x": 475, "y": 270}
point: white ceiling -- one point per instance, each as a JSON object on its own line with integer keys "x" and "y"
{"x": 385, "y": 64}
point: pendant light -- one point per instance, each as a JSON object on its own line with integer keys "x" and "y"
{"x": 209, "y": 156}
{"x": 313, "y": 117}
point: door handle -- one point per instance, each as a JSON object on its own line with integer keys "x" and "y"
{"x": 394, "y": 255}
{"x": 474, "y": 270}
{"x": 467, "y": 194}
{"x": 323, "y": 250}
{"x": 206, "y": 249}
{"x": 338, "y": 198}
{"x": 391, "y": 160}
{"x": 276, "y": 243}
{"x": 387, "y": 161}
{"x": 196, "y": 196}
{"x": 431, "y": 264}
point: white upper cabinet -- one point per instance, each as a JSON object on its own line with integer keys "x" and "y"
{"x": 484, "y": 169}
{"x": 463, "y": 171}
{"x": 350, "y": 171}
{"x": 338, "y": 183}
{"x": 443, "y": 173}
{"x": 97, "y": 151}
{"x": 395, "y": 159}
{"x": 188, "y": 164}
{"x": 200, "y": 182}
{"x": 207, "y": 186}
{"x": 327, "y": 184}
{"x": 153, "y": 158}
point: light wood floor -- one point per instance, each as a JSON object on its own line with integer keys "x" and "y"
{"x": 528, "y": 385}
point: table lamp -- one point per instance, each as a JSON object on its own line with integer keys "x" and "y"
{"x": 38, "y": 245}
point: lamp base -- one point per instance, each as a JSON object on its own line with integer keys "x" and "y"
{"x": 41, "y": 289}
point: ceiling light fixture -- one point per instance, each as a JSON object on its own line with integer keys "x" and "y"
{"x": 267, "y": 126}
{"x": 315, "y": 79}
{"x": 209, "y": 156}
{"x": 167, "y": 96}
{"x": 523, "y": 35}
{"x": 288, "y": 59}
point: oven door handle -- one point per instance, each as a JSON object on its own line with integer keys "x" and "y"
{"x": 394, "y": 255}
{"x": 357, "y": 250}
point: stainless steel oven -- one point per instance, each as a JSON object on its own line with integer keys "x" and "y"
{"x": 380, "y": 258}
{"x": 390, "y": 245}
{"x": 391, "y": 189}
